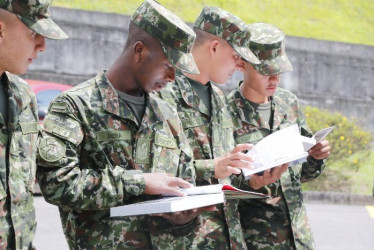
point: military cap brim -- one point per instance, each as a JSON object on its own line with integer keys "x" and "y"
{"x": 45, "y": 27}
{"x": 182, "y": 61}
{"x": 275, "y": 66}
{"x": 246, "y": 54}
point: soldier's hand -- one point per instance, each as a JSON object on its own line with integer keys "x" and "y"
{"x": 269, "y": 176}
{"x": 232, "y": 162}
{"x": 180, "y": 218}
{"x": 162, "y": 183}
{"x": 320, "y": 151}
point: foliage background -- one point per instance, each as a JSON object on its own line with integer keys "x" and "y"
{"x": 336, "y": 20}
{"x": 350, "y": 165}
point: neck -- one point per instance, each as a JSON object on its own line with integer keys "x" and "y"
{"x": 203, "y": 62}
{"x": 121, "y": 75}
{"x": 252, "y": 95}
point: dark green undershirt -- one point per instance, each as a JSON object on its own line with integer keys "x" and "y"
{"x": 137, "y": 104}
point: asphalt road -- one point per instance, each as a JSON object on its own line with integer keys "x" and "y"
{"x": 334, "y": 227}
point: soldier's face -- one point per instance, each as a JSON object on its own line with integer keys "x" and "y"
{"x": 19, "y": 46}
{"x": 224, "y": 63}
{"x": 262, "y": 87}
{"x": 156, "y": 71}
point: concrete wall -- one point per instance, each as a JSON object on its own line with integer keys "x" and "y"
{"x": 332, "y": 75}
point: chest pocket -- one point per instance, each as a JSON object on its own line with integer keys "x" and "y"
{"x": 23, "y": 147}
{"x": 166, "y": 154}
{"x": 117, "y": 145}
{"x": 252, "y": 137}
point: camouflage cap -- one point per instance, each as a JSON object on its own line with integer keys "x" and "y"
{"x": 175, "y": 37}
{"x": 35, "y": 15}
{"x": 268, "y": 44}
{"x": 228, "y": 27}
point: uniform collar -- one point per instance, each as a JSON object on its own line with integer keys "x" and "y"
{"x": 188, "y": 93}
{"x": 18, "y": 97}
{"x": 247, "y": 113}
{"x": 110, "y": 99}
{"x": 113, "y": 104}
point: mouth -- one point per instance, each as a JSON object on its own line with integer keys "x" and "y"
{"x": 272, "y": 88}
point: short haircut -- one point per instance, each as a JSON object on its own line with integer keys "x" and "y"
{"x": 137, "y": 34}
{"x": 203, "y": 37}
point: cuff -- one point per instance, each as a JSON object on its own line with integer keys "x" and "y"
{"x": 204, "y": 169}
{"x": 134, "y": 182}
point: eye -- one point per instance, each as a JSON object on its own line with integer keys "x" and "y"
{"x": 236, "y": 57}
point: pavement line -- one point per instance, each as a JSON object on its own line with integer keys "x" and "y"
{"x": 371, "y": 211}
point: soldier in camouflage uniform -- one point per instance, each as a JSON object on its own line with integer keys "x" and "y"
{"x": 23, "y": 27}
{"x": 208, "y": 126}
{"x": 260, "y": 108}
{"x": 108, "y": 142}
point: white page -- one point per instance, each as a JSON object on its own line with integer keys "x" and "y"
{"x": 276, "y": 149}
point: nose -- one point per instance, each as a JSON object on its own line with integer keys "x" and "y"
{"x": 275, "y": 78}
{"x": 170, "y": 75}
{"x": 40, "y": 43}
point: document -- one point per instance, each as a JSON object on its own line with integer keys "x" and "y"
{"x": 284, "y": 146}
{"x": 195, "y": 197}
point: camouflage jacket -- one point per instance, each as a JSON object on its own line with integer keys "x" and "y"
{"x": 92, "y": 155}
{"x": 283, "y": 225}
{"x": 18, "y": 141}
{"x": 209, "y": 137}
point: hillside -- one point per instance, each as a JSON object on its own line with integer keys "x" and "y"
{"x": 335, "y": 20}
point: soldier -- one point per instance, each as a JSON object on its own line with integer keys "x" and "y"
{"x": 260, "y": 108}
{"x": 23, "y": 27}
{"x": 107, "y": 142}
{"x": 208, "y": 126}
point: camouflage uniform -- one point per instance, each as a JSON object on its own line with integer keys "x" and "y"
{"x": 93, "y": 152}
{"x": 17, "y": 165}
{"x": 282, "y": 225}
{"x": 211, "y": 135}
{"x": 92, "y": 155}
{"x": 18, "y": 137}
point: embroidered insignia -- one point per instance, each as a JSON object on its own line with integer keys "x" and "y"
{"x": 51, "y": 149}
{"x": 143, "y": 151}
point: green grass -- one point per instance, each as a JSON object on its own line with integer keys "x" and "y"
{"x": 335, "y": 20}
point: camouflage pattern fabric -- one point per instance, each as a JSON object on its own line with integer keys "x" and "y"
{"x": 18, "y": 141}
{"x": 268, "y": 44}
{"x": 229, "y": 27}
{"x": 175, "y": 36}
{"x": 92, "y": 154}
{"x": 209, "y": 137}
{"x": 283, "y": 225}
{"x": 35, "y": 15}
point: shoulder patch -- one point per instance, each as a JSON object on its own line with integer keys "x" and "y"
{"x": 60, "y": 107}
{"x": 51, "y": 149}
{"x": 29, "y": 127}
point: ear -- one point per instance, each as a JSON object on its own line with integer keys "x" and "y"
{"x": 139, "y": 51}
{"x": 241, "y": 65}
{"x": 213, "y": 46}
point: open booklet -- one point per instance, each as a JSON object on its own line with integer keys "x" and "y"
{"x": 284, "y": 146}
{"x": 195, "y": 197}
